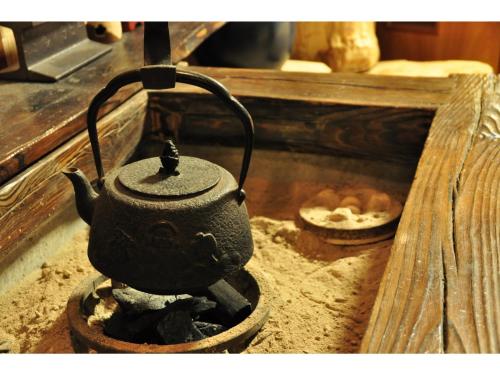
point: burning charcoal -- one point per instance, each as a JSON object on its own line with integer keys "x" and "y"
{"x": 231, "y": 305}
{"x": 209, "y": 329}
{"x": 177, "y": 327}
{"x": 135, "y": 302}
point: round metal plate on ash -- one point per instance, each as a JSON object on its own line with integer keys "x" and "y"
{"x": 194, "y": 176}
{"x": 351, "y": 215}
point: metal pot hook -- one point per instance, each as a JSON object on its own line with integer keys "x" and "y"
{"x": 160, "y": 74}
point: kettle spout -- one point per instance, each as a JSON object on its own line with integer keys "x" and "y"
{"x": 85, "y": 195}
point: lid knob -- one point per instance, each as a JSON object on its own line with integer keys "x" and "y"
{"x": 169, "y": 159}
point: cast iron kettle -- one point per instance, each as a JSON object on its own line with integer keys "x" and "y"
{"x": 168, "y": 224}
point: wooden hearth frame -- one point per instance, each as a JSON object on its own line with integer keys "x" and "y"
{"x": 441, "y": 289}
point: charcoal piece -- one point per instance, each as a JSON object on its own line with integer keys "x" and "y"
{"x": 177, "y": 327}
{"x": 145, "y": 322}
{"x": 202, "y": 304}
{"x": 134, "y": 328}
{"x": 195, "y": 305}
{"x": 232, "y": 307}
{"x": 117, "y": 327}
{"x": 145, "y": 317}
{"x": 91, "y": 302}
{"x": 209, "y": 329}
{"x": 133, "y": 301}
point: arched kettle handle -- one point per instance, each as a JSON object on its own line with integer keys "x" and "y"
{"x": 163, "y": 77}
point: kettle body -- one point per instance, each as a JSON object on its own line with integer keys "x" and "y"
{"x": 169, "y": 224}
{"x": 171, "y": 244}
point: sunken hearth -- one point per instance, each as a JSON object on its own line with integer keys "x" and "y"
{"x": 111, "y": 317}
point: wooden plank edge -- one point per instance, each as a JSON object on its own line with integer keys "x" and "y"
{"x": 25, "y": 155}
{"x": 336, "y": 88}
{"x": 473, "y": 274}
{"x": 33, "y": 196}
{"x": 409, "y": 314}
{"x": 393, "y": 134}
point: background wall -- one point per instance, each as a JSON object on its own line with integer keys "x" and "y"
{"x": 424, "y": 41}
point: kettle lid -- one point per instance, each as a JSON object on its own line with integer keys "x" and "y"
{"x": 148, "y": 177}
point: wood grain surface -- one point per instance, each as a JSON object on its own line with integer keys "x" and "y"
{"x": 29, "y": 200}
{"x": 473, "y": 278}
{"x": 440, "y": 290}
{"x": 338, "y": 88}
{"x": 344, "y": 114}
{"x": 35, "y": 118}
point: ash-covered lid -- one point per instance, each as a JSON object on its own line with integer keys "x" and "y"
{"x": 149, "y": 177}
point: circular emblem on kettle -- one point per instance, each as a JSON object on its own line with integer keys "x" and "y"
{"x": 162, "y": 234}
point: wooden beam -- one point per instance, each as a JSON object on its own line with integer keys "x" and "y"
{"x": 440, "y": 290}
{"x": 473, "y": 274}
{"x": 345, "y": 114}
{"x": 336, "y": 88}
{"x": 28, "y": 200}
{"x": 35, "y": 118}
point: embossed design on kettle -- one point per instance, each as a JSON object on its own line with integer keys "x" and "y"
{"x": 208, "y": 243}
{"x": 162, "y": 234}
{"x": 121, "y": 246}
